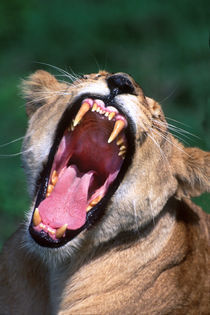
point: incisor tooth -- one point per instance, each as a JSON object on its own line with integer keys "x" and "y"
{"x": 36, "y": 217}
{"x": 111, "y": 115}
{"x": 94, "y": 107}
{"x": 82, "y": 111}
{"x": 118, "y": 127}
{"x": 50, "y": 230}
{"x": 60, "y": 232}
{"x": 42, "y": 226}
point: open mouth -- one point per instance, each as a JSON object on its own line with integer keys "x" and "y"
{"x": 82, "y": 172}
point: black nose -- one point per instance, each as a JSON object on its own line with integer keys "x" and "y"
{"x": 120, "y": 84}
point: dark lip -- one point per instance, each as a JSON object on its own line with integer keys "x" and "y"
{"x": 96, "y": 212}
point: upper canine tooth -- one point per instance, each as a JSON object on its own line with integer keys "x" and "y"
{"x": 36, "y": 217}
{"x": 82, "y": 111}
{"x": 118, "y": 127}
{"x": 60, "y": 232}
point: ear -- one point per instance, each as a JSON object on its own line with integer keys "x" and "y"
{"x": 38, "y": 89}
{"x": 193, "y": 173}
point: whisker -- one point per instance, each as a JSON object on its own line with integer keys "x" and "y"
{"x": 180, "y": 138}
{"x": 179, "y": 122}
{"x": 159, "y": 133}
{"x": 158, "y": 146}
{"x": 65, "y": 73}
{"x": 175, "y": 128}
{"x": 15, "y": 154}
{"x": 8, "y": 143}
{"x": 15, "y": 140}
{"x": 167, "y": 97}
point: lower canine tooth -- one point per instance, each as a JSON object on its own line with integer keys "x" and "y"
{"x": 61, "y": 231}
{"x": 118, "y": 127}
{"x": 36, "y": 217}
{"x": 82, "y": 111}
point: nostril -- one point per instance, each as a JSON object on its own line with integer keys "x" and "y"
{"x": 120, "y": 83}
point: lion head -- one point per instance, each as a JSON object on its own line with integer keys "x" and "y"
{"x": 100, "y": 159}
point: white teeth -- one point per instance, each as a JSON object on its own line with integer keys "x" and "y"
{"x": 36, "y": 217}
{"x": 121, "y": 153}
{"x": 94, "y": 107}
{"x": 111, "y": 115}
{"x": 118, "y": 127}
{"x": 110, "y": 112}
{"x": 61, "y": 231}
{"x": 51, "y": 230}
{"x": 94, "y": 202}
{"x": 54, "y": 177}
{"x": 85, "y": 107}
{"x": 120, "y": 141}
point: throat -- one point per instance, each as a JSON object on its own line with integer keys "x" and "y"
{"x": 129, "y": 257}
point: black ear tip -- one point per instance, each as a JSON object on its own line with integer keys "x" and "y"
{"x": 122, "y": 83}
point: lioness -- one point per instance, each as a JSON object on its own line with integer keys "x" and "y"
{"x": 111, "y": 228}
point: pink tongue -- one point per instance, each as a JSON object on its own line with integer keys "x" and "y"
{"x": 68, "y": 201}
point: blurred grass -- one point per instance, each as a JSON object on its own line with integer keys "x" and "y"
{"x": 163, "y": 45}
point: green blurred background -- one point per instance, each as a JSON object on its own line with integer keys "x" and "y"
{"x": 164, "y": 45}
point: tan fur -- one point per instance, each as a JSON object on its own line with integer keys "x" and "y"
{"x": 149, "y": 253}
